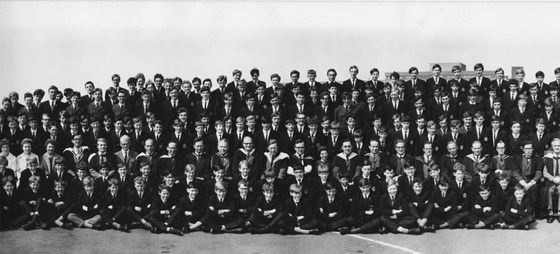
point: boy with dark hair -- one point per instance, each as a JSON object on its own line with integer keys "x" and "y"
{"x": 518, "y": 213}
{"x": 86, "y": 211}
{"x": 484, "y": 211}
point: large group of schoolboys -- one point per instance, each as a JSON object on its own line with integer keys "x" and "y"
{"x": 176, "y": 156}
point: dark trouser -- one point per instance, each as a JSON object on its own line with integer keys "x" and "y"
{"x": 393, "y": 224}
{"x": 112, "y": 215}
{"x": 216, "y": 222}
{"x": 159, "y": 222}
{"x": 260, "y": 221}
{"x": 332, "y": 224}
{"x": 518, "y": 221}
{"x": 365, "y": 226}
{"x": 487, "y": 219}
{"x": 451, "y": 219}
{"x": 137, "y": 215}
{"x": 13, "y": 217}
{"x": 290, "y": 223}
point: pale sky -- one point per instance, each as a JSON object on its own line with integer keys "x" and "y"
{"x": 68, "y": 43}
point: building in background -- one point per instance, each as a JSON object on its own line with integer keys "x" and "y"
{"x": 447, "y": 74}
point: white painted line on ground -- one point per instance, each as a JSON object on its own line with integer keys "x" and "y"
{"x": 386, "y": 244}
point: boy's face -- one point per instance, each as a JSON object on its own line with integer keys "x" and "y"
{"x": 434, "y": 174}
{"x": 484, "y": 194}
{"x": 366, "y": 170}
{"x": 410, "y": 171}
{"x": 528, "y": 150}
{"x": 34, "y": 186}
{"x": 298, "y": 174}
{"x": 104, "y": 171}
{"x": 270, "y": 179}
{"x": 296, "y": 195}
{"x": 417, "y": 187}
{"x": 32, "y": 165}
{"x": 389, "y": 174}
{"x": 519, "y": 194}
{"x": 351, "y": 122}
{"x": 323, "y": 176}
{"x": 145, "y": 170}
{"x": 9, "y": 187}
{"x": 169, "y": 180}
{"x": 331, "y": 193}
{"x": 365, "y": 189}
{"x": 503, "y": 183}
{"x": 457, "y": 74}
{"x": 89, "y": 188}
{"x": 459, "y": 175}
{"x": 405, "y": 125}
{"x": 192, "y": 192}
{"x": 478, "y": 72}
{"x": 121, "y": 171}
{"x": 244, "y": 170}
{"x": 436, "y": 71}
{"x": 483, "y": 175}
{"x": 392, "y": 190}
{"x": 220, "y": 193}
{"x": 219, "y": 174}
{"x": 343, "y": 181}
{"x": 243, "y": 190}
{"x": 467, "y": 120}
{"x": 479, "y": 121}
{"x": 59, "y": 188}
{"x": 198, "y": 147}
{"x": 375, "y": 75}
{"x": 189, "y": 174}
{"x": 495, "y": 125}
{"x": 81, "y": 173}
{"x": 540, "y": 127}
{"x": 114, "y": 188}
{"x": 443, "y": 188}
{"x": 268, "y": 194}
{"x": 164, "y": 195}
{"x": 324, "y": 155}
{"x": 516, "y": 128}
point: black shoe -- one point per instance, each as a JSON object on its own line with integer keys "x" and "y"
{"x": 45, "y": 226}
{"x": 215, "y": 231}
{"x": 429, "y": 229}
{"x": 175, "y": 232}
{"x": 314, "y": 232}
{"x": 154, "y": 230}
{"x": 282, "y": 231}
{"x": 470, "y": 226}
{"x": 382, "y": 230}
{"x": 124, "y": 228}
{"x": 550, "y": 219}
{"x": 558, "y": 219}
{"x": 414, "y": 231}
{"x": 186, "y": 230}
{"x": 28, "y": 226}
{"x": 96, "y": 226}
{"x": 344, "y": 231}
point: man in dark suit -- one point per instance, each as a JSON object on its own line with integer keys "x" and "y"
{"x": 354, "y": 83}
{"x": 436, "y": 80}
{"x": 50, "y": 106}
{"x": 392, "y": 107}
{"x": 481, "y": 83}
{"x": 413, "y": 84}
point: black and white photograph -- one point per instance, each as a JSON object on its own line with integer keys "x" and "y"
{"x": 418, "y": 127}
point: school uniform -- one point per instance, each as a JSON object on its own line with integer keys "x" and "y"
{"x": 485, "y": 211}
{"x": 463, "y": 191}
{"x": 325, "y": 207}
{"x": 197, "y": 207}
{"x": 259, "y": 221}
{"x": 419, "y": 205}
{"x": 365, "y": 213}
{"x": 113, "y": 207}
{"x": 161, "y": 214}
{"x": 229, "y": 219}
{"x": 298, "y": 214}
{"x": 391, "y": 220}
{"x": 439, "y": 215}
{"x": 518, "y": 213}
{"x": 59, "y": 206}
{"x": 245, "y": 205}
{"x": 86, "y": 209}
{"x": 139, "y": 206}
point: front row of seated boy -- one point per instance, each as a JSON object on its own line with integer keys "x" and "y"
{"x": 302, "y": 204}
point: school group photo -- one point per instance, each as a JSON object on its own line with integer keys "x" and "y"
{"x": 285, "y": 154}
